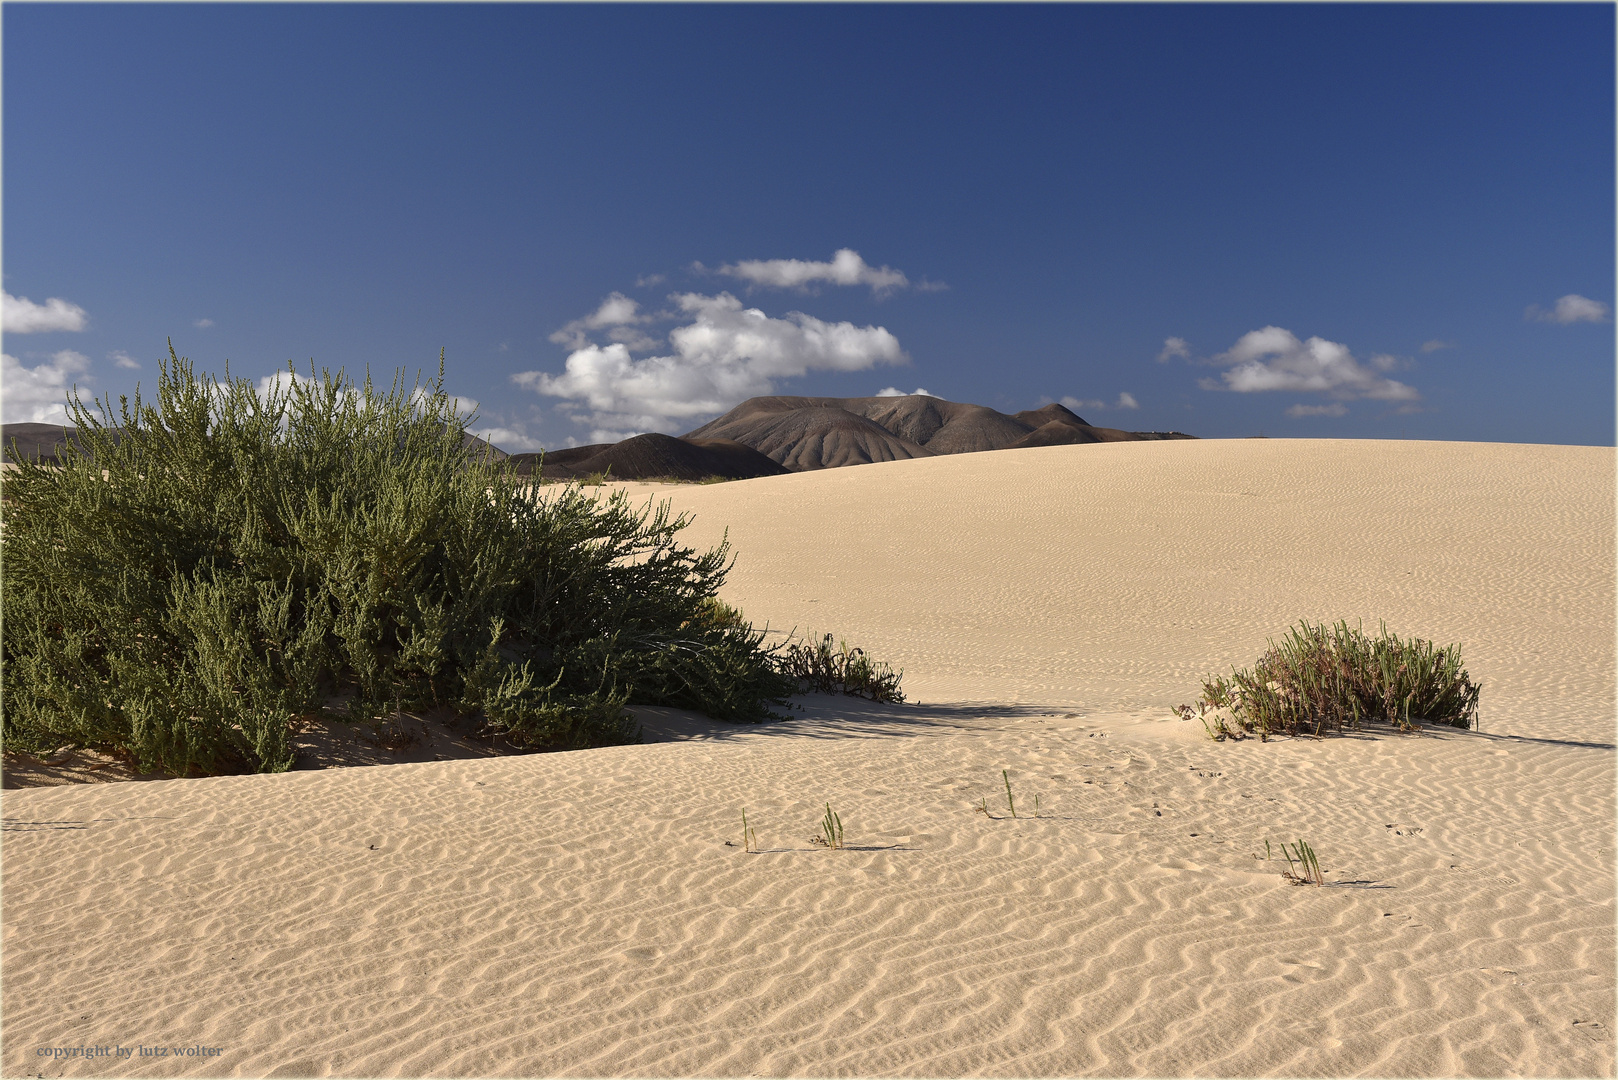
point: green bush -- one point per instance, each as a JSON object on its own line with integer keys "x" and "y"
{"x": 182, "y": 590}
{"x": 1329, "y": 679}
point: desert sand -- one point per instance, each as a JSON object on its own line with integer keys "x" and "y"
{"x": 595, "y": 913}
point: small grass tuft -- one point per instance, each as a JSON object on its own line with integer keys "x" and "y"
{"x": 831, "y": 831}
{"x": 749, "y": 837}
{"x": 1302, "y": 866}
{"x": 1011, "y": 802}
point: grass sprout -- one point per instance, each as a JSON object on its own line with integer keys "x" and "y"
{"x": 1011, "y": 802}
{"x": 749, "y": 837}
{"x": 831, "y": 831}
{"x": 1302, "y": 866}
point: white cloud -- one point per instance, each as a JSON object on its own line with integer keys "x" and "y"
{"x": 1172, "y": 347}
{"x": 1274, "y": 359}
{"x": 508, "y": 439}
{"x": 20, "y": 315}
{"x": 634, "y": 339}
{"x": 1571, "y": 308}
{"x": 724, "y": 354}
{"x": 846, "y": 268}
{"x": 646, "y": 281}
{"x": 1434, "y": 345}
{"x": 284, "y": 381}
{"x": 616, "y": 310}
{"x": 1125, "y": 401}
{"x": 203, "y": 323}
{"x": 893, "y": 391}
{"x": 38, "y": 395}
{"x": 123, "y": 359}
{"x": 1334, "y": 409}
{"x": 1081, "y": 403}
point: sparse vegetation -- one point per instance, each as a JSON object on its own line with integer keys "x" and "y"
{"x": 749, "y": 837}
{"x": 1302, "y": 866}
{"x": 831, "y": 831}
{"x": 181, "y": 589}
{"x": 1329, "y": 679}
{"x": 1011, "y": 802}
{"x": 836, "y": 669}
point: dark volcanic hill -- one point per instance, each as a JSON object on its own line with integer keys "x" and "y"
{"x": 35, "y": 441}
{"x": 651, "y": 456}
{"x": 767, "y": 436}
{"x": 805, "y": 433}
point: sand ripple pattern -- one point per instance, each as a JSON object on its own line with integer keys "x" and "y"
{"x": 580, "y": 914}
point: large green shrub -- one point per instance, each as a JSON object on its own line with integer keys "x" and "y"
{"x": 1322, "y": 679}
{"x": 183, "y": 587}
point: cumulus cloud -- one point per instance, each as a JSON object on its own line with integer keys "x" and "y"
{"x": 1336, "y": 408}
{"x": 1571, "y": 308}
{"x": 1434, "y": 345}
{"x": 1274, "y": 359}
{"x": 123, "y": 359}
{"x": 508, "y": 439}
{"x": 20, "y": 315}
{"x": 1125, "y": 401}
{"x": 845, "y": 268}
{"x": 893, "y": 391}
{"x": 1174, "y": 347}
{"x": 282, "y": 382}
{"x": 203, "y": 324}
{"x": 723, "y": 354}
{"x": 617, "y": 310}
{"x": 634, "y": 339}
{"x": 38, "y": 395}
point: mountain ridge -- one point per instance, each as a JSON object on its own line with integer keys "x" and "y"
{"x": 769, "y": 436}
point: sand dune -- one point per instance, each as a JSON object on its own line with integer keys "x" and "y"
{"x": 581, "y": 914}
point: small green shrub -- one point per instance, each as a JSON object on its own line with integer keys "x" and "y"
{"x": 182, "y": 588}
{"x": 836, "y": 669}
{"x": 1322, "y": 679}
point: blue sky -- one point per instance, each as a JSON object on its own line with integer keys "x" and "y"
{"x": 1314, "y": 220}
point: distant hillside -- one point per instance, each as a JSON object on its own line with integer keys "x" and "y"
{"x": 805, "y": 433}
{"x": 652, "y": 456}
{"x": 767, "y": 436}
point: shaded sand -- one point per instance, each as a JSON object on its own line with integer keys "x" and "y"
{"x": 582, "y": 914}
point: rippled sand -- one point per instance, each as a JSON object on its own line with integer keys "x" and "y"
{"x": 582, "y": 914}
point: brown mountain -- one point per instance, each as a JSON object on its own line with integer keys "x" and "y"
{"x": 804, "y": 433}
{"x": 649, "y": 456}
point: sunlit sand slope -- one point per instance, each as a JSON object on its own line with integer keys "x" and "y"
{"x": 1118, "y": 575}
{"x": 582, "y": 914}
